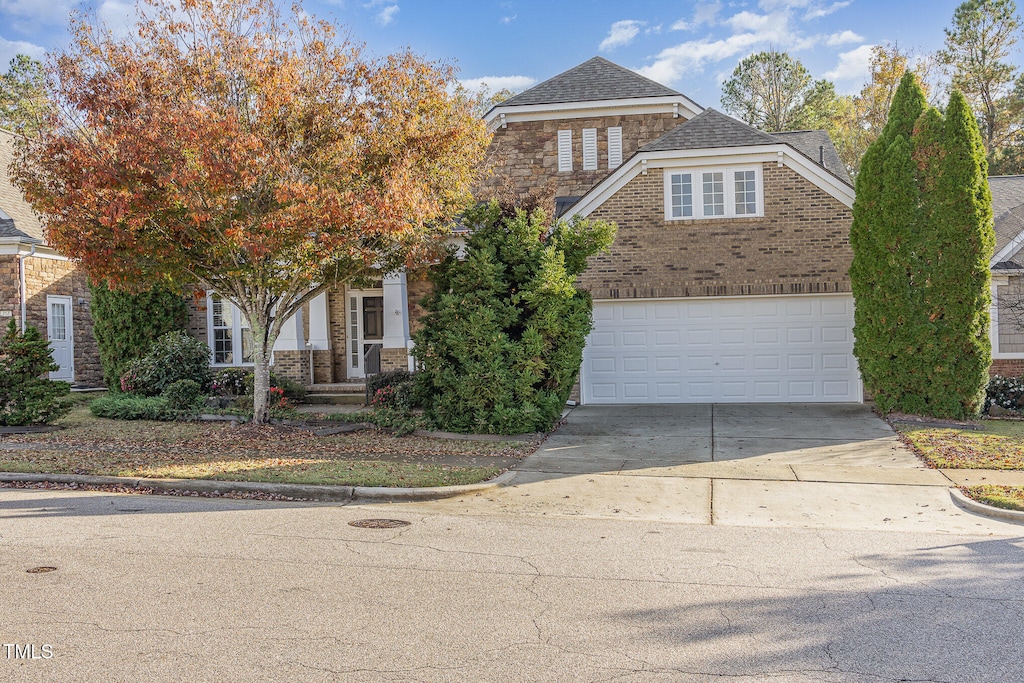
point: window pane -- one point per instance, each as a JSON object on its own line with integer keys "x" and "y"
{"x": 222, "y": 346}
{"x": 682, "y": 195}
{"x": 58, "y": 322}
{"x": 714, "y": 194}
{"x": 746, "y": 193}
{"x": 246, "y": 345}
{"x": 221, "y": 312}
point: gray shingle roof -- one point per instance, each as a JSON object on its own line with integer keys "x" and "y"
{"x": 1007, "y": 208}
{"x": 809, "y": 143}
{"x": 708, "y": 130}
{"x": 594, "y": 79}
{"x": 22, "y": 223}
{"x": 711, "y": 129}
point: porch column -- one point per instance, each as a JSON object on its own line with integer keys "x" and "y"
{"x": 319, "y": 336}
{"x": 396, "y": 322}
{"x": 291, "y": 337}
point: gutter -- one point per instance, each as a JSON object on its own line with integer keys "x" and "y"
{"x": 21, "y": 276}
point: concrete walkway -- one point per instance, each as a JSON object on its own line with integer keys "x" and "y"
{"x": 816, "y": 466}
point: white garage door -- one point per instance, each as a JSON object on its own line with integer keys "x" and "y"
{"x": 758, "y": 349}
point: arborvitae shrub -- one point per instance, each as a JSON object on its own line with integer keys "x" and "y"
{"x": 502, "y": 341}
{"x": 126, "y": 324}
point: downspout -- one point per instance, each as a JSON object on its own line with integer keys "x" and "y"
{"x": 21, "y": 275}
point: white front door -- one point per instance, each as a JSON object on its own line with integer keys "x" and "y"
{"x": 729, "y": 350}
{"x": 60, "y": 332}
{"x": 365, "y": 332}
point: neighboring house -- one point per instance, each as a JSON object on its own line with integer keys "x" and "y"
{"x": 1007, "y": 331}
{"x": 727, "y": 281}
{"x": 40, "y": 287}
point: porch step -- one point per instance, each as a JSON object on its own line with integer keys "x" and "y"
{"x": 319, "y": 398}
{"x": 338, "y": 393}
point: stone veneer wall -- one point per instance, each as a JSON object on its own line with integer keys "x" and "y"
{"x": 57, "y": 277}
{"x": 800, "y": 246}
{"x": 527, "y": 152}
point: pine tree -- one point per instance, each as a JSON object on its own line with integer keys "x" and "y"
{"x": 27, "y": 396}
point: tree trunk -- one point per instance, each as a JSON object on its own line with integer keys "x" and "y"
{"x": 261, "y": 381}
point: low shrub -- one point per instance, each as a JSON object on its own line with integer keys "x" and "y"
{"x": 231, "y": 381}
{"x": 1005, "y": 392}
{"x": 174, "y": 356}
{"x": 395, "y": 389}
{"x": 185, "y": 395}
{"x": 27, "y": 395}
{"x": 133, "y": 407}
{"x": 293, "y": 390}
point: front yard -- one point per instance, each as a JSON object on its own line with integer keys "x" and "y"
{"x": 215, "y": 450}
{"x": 998, "y": 445}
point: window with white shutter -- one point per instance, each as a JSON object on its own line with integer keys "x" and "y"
{"x": 614, "y": 147}
{"x": 590, "y": 149}
{"x": 565, "y": 150}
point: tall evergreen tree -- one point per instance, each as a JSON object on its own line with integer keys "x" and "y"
{"x": 922, "y": 239}
{"x": 885, "y": 213}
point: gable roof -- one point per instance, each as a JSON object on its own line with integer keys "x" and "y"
{"x": 712, "y": 129}
{"x": 1008, "y": 211}
{"x": 17, "y": 221}
{"x": 593, "y": 80}
{"x": 817, "y": 146}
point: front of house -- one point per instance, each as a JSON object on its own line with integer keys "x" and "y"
{"x": 727, "y": 281}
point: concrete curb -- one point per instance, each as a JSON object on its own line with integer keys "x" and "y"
{"x": 971, "y": 505}
{"x": 331, "y": 494}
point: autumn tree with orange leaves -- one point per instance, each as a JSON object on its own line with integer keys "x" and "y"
{"x": 253, "y": 153}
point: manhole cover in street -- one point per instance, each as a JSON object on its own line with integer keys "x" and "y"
{"x": 378, "y": 523}
{"x": 40, "y": 570}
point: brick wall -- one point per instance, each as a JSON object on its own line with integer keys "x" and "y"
{"x": 1007, "y": 367}
{"x": 52, "y": 277}
{"x": 527, "y": 152}
{"x": 292, "y": 364}
{"x": 416, "y": 289}
{"x": 338, "y": 313}
{"x": 800, "y": 246}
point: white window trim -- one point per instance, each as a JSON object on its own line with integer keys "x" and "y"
{"x": 236, "y": 335}
{"x": 729, "y": 181}
{"x": 565, "y": 151}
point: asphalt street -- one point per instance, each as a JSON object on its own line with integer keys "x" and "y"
{"x": 188, "y": 589}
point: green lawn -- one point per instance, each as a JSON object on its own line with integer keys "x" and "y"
{"x": 204, "y": 450}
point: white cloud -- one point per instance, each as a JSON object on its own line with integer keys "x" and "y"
{"x": 852, "y": 69}
{"x": 620, "y": 34}
{"x": 496, "y": 83}
{"x": 509, "y": 20}
{"x": 824, "y": 11}
{"x": 703, "y": 13}
{"x": 48, "y": 12}
{"x": 387, "y": 15}
{"x": 117, "y": 15}
{"x": 843, "y": 38}
{"x": 681, "y": 25}
{"x": 9, "y": 49}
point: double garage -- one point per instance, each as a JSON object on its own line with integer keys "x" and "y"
{"x": 763, "y": 349}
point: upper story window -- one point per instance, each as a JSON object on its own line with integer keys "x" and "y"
{"x": 565, "y": 150}
{"x": 713, "y": 193}
{"x": 229, "y": 335}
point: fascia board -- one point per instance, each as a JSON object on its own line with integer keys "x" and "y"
{"x": 1009, "y": 251}
{"x": 574, "y": 110}
{"x": 713, "y": 157}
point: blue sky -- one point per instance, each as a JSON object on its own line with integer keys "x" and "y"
{"x": 690, "y": 46}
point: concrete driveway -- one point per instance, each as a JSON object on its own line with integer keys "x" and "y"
{"x": 805, "y": 465}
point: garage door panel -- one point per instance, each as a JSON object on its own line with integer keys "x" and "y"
{"x": 795, "y": 348}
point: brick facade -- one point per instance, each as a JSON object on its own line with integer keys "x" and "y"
{"x": 800, "y": 246}
{"x": 1007, "y": 367}
{"x": 526, "y": 153}
{"x": 52, "y": 277}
